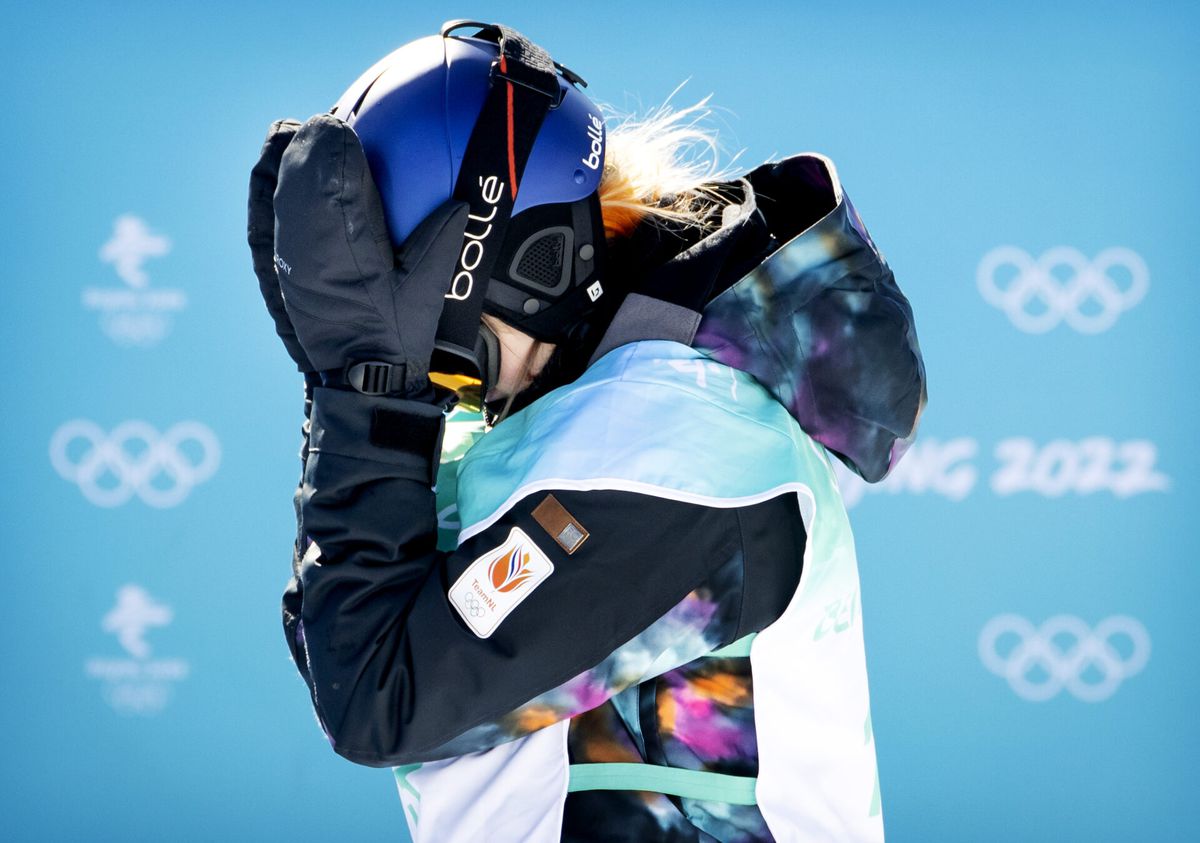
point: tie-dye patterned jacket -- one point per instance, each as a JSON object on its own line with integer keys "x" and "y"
{"x": 649, "y": 625}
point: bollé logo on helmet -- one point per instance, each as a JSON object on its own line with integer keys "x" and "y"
{"x": 595, "y": 133}
{"x": 491, "y": 189}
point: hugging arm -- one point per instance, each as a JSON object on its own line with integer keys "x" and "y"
{"x": 397, "y": 673}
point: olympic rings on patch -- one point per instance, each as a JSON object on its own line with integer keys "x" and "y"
{"x": 474, "y": 606}
{"x": 1055, "y": 301}
{"x": 1063, "y": 653}
{"x": 135, "y": 471}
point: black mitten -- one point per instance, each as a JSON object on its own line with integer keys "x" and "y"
{"x": 364, "y": 313}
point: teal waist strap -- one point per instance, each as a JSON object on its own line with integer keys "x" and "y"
{"x": 689, "y": 784}
{"x": 738, "y": 649}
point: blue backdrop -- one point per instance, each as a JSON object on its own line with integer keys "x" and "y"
{"x": 1027, "y": 574}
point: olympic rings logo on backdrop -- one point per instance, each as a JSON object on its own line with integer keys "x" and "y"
{"x": 1035, "y": 300}
{"x": 1064, "y": 653}
{"x": 135, "y": 459}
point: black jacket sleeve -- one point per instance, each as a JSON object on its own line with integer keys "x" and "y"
{"x": 397, "y": 676}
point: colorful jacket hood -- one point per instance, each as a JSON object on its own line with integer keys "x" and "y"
{"x": 791, "y": 289}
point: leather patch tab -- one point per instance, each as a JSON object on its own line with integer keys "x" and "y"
{"x": 559, "y": 523}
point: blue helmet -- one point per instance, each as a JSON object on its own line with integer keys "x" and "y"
{"x": 421, "y": 112}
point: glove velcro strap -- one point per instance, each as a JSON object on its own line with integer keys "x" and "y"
{"x": 400, "y": 433}
{"x": 403, "y": 431}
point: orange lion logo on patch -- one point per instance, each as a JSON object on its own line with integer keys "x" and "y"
{"x": 510, "y": 571}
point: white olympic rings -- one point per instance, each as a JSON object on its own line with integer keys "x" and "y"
{"x": 1062, "y": 301}
{"x": 1037, "y": 653}
{"x": 108, "y": 455}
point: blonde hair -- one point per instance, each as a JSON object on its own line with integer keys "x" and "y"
{"x": 659, "y": 164}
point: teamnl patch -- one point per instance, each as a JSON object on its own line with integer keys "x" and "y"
{"x": 496, "y": 583}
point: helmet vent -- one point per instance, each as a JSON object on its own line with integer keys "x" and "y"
{"x": 541, "y": 260}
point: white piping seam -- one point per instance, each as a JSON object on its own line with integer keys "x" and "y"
{"x": 617, "y": 484}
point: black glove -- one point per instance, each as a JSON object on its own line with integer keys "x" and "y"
{"x": 351, "y": 298}
{"x": 260, "y": 233}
